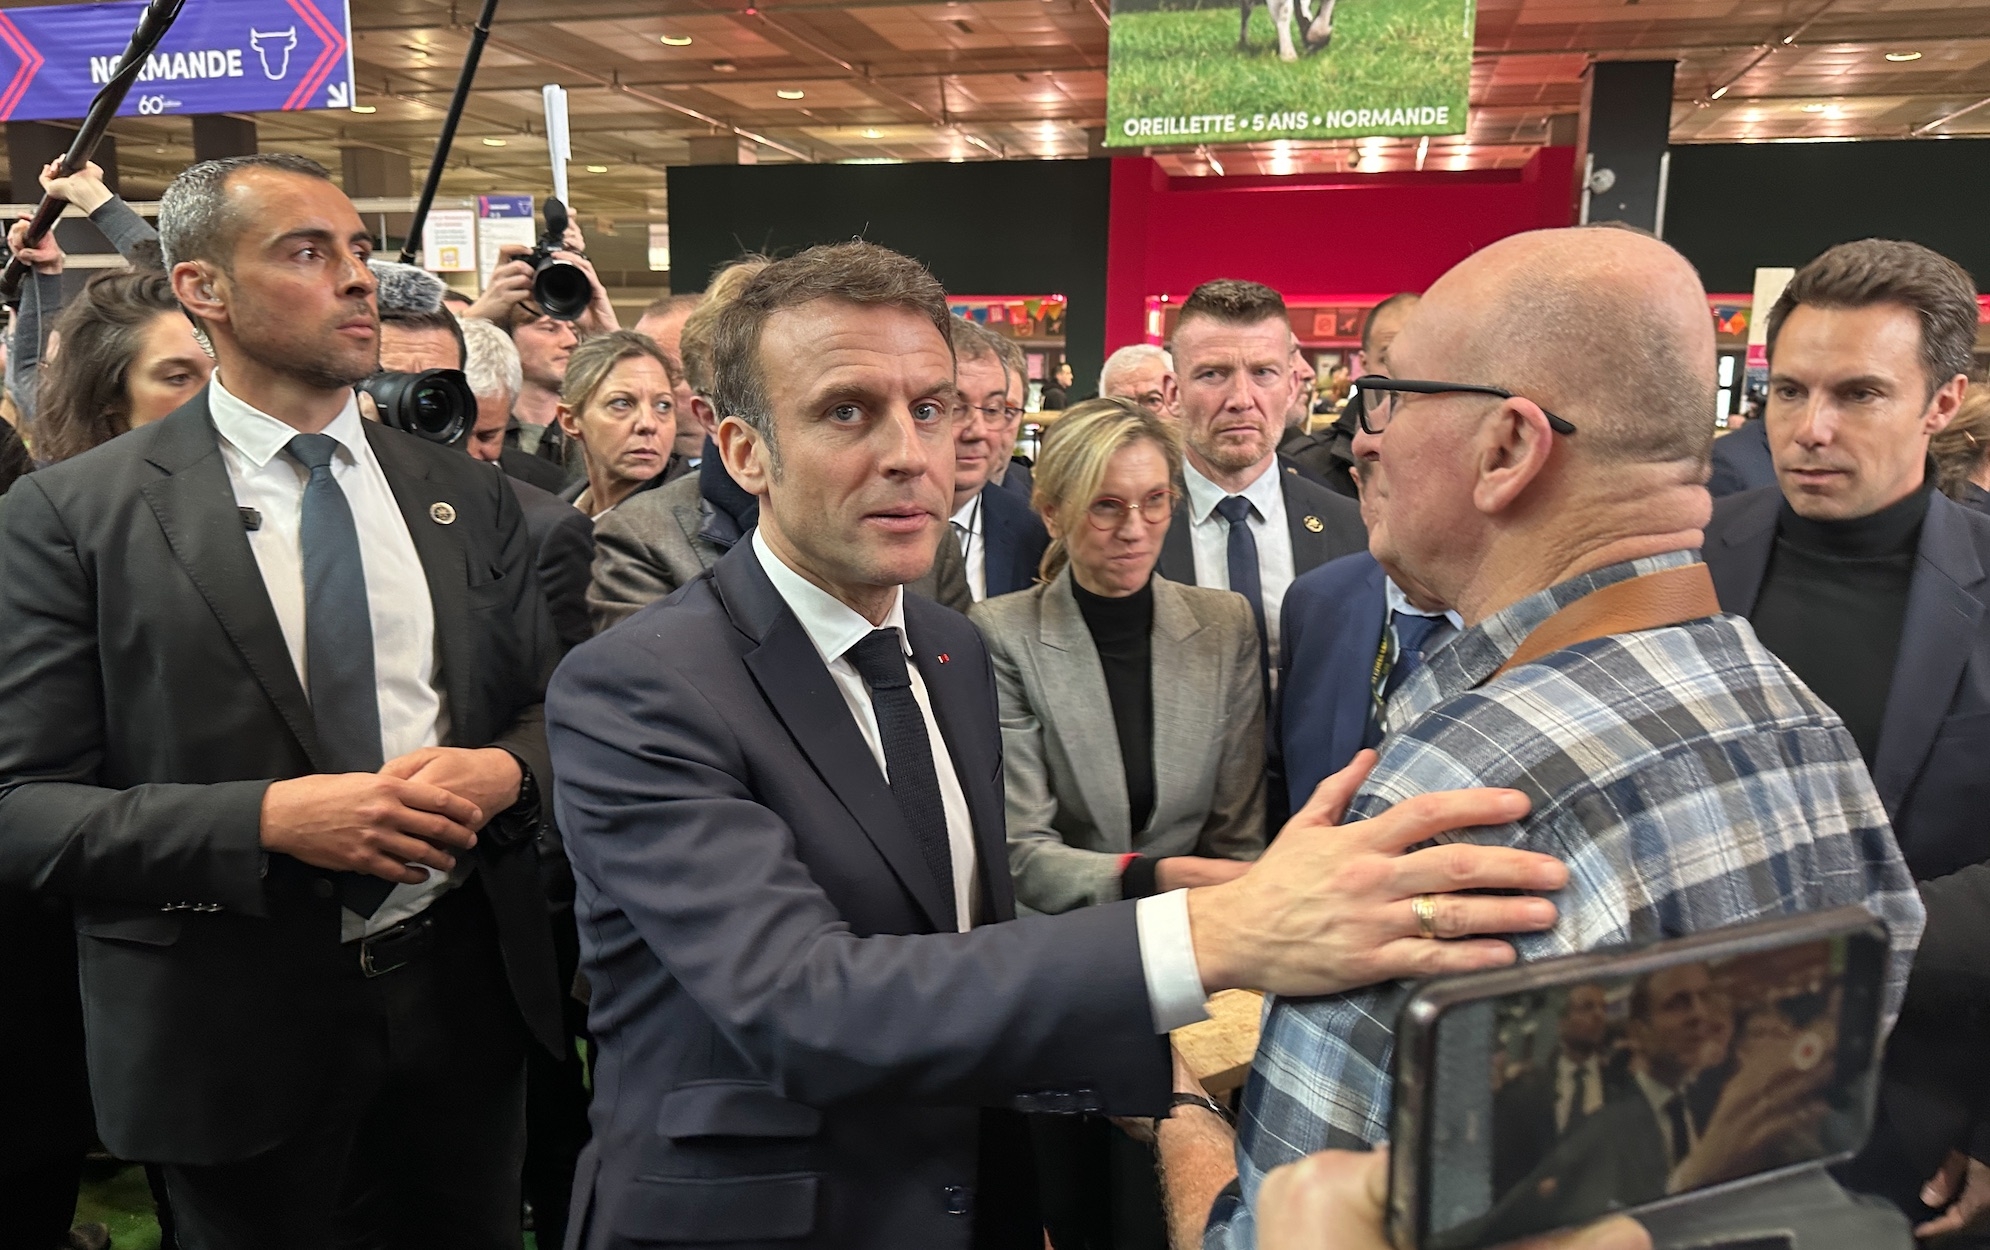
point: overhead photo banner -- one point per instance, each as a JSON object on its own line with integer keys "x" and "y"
{"x": 1246, "y": 71}
{"x": 221, "y": 56}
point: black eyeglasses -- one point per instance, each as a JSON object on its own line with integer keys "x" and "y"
{"x": 1374, "y": 400}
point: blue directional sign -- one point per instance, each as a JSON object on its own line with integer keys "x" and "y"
{"x": 221, "y": 56}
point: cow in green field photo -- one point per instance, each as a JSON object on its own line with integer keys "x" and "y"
{"x": 1319, "y": 26}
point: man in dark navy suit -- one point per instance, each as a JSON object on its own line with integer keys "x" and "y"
{"x": 781, "y": 789}
{"x": 1873, "y": 587}
{"x": 1001, "y": 540}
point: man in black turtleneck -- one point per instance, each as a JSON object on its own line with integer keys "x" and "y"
{"x": 1873, "y": 587}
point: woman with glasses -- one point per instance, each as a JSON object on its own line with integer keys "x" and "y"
{"x": 1132, "y": 707}
{"x": 1133, "y": 743}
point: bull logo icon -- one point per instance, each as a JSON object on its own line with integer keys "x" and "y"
{"x": 274, "y": 45}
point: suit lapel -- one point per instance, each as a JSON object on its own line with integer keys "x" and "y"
{"x": 195, "y": 506}
{"x": 999, "y": 559}
{"x": 1355, "y": 660}
{"x": 1308, "y": 529}
{"x": 960, "y": 698}
{"x": 1739, "y": 560}
{"x": 1943, "y": 615}
{"x": 1187, "y": 664}
{"x": 797, "y": 685}
{"x": 1177, "y": 562}
{"x": 1084, "y": 723}
{"x": 443, "y": 563}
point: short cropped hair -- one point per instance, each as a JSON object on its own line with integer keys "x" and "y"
{"x": 194, "y": 219}
{"x": 973, "y": 342}
{"x": 663, "y": 305}
{"x": 1129, "y": 356}
{"x": 694, "y": 343}
{"x": 438, "y": 320}
{"x": 1012, "y": 357}
{"x": 1887, "y": 271}
{"x": 1234, "y": 302}
{"x": 1368, "y": 323}
{"x": 857, "y": 273}
{"x": 591, "y": 363}
{"x": 490, "y": 361}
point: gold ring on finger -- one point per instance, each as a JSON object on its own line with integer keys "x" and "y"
{"x": 1425, "y": 908}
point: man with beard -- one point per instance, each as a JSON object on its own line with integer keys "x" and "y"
{"x": 270, "y": 715}
{"x": 1250, "y": 525}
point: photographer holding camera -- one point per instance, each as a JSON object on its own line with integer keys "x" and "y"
{"x": 544, "y": 330}
{"x": 270, "y": 716}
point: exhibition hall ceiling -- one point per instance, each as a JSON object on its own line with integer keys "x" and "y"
{"x": 919, "y": 80}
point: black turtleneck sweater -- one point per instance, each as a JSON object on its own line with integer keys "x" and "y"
{"x": 1833, "y": 602}
{"x": 1123, "y": 631}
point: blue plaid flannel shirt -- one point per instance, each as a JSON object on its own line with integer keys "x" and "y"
{"x": 1686, "y": 777}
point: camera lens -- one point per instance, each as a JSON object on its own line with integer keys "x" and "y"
{"x": 435, "y": 404}
{"x": 561, "y": 289}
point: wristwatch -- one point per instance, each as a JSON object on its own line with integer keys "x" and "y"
{"x": 519, "y": 823}
{"x": 1204, "y": 1101}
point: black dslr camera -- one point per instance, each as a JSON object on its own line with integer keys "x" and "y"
{"x": 560, "y": 288}
{"x": 435, "y": 404}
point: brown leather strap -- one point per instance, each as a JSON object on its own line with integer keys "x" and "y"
{"x": 1652, "y": 601}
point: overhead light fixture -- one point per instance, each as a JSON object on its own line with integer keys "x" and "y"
{"x": 676, "y": 41}
{"x": 724, "y": 67}
{"x": 365, "y": 108}
{"x": 1903, "y": 56}
{"x": 493, "y": 143}
{"x": 1718, "y": 92}
{"x": 597, "y": 169}
{"x": 790, "y": 95}
{"x": 1811, "y": 108}
{"x": 873, "y": 134}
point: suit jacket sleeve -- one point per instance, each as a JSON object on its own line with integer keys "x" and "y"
{"x": 1952, "y": 965}
{"x": 629, "y": 573}
{"x": 1050, "y": 874}
{"x": 61, "y": 830}
{"x": 525, "y": 736}
{"x": 1236, "y": 825}
{"x": 657, "y": 802}
{"x": 566, "y": 557}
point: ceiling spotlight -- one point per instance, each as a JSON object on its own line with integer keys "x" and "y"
{"x": 676, "y": 41}
{"x": 874, "y": 134}
{"x": 790, "y": 95}
{"x": 1903, "y": 56}
{"x": 1718, "y": 92}
{"x": 493, "y": 143}
{"x": 1811, "y": 108}
{"x": 597, "y": 169}
{"x": 724, "y": 67}
{"x": 365, "y": 108}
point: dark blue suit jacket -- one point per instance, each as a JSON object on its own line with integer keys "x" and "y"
{"x": 788, "y": 1049}
{"x": 1330, "y": 627}
{"x": 1742, "y": 461}
{"x": 1933, "y": 741}
{"x": 1016, "y": 540}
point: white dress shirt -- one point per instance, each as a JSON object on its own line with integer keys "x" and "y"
{"x": 1578, "y": 1088}
{"x": 1167, "y": 953}
{"x": 412, "y": 710}
{"x": 1660, "y": 1097}
{"x": 973, "y": 545}
{"x": 1210, "y": 535}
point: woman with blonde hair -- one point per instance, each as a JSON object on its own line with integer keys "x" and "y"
{"x": 1962, "y": 451}
{"x": 618, "y": 404}
{"x": 1132, "y": 739}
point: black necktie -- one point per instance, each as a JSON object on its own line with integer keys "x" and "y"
{"x": 1403, "y": 641}
{"x": 1682, "y": 1139}
{"x": 879, "y": 658}
{"x": 1243, "y": 561}
{"x": 338, "y": 640}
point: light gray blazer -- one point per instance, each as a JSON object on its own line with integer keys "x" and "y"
{"x": 1066, "y": 784}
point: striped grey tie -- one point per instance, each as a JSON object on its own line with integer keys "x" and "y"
{"x": 338, "y": 640}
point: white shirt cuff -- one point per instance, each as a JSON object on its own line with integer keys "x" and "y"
{"x": 1167, "y": 958}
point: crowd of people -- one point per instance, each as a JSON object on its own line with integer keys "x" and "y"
{"x": 577, "y": 826}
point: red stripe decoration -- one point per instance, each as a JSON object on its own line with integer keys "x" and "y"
{"x": 31, "y": 63}
{"x": 328, "y": 58}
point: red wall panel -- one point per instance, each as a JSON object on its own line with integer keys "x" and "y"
{"x": 1327, "y": 235}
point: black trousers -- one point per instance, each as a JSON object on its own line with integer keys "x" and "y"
{"x": 422, "y": 1134}
{"x": 1100, "y": 1188}
{"x": 556, "y": 1099}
